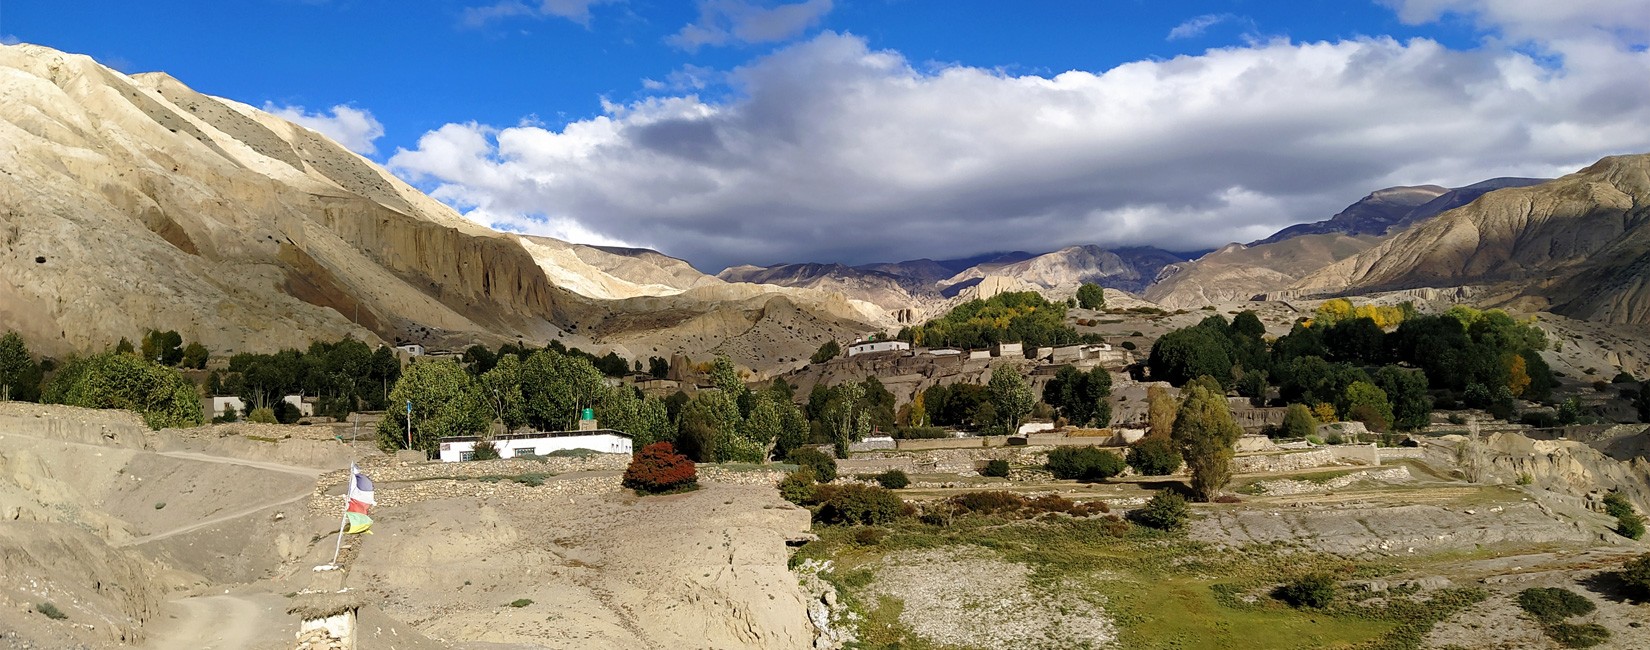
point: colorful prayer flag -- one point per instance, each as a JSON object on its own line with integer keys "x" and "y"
{"x": 357, "y": 523}
{"x": 360, "y": 501}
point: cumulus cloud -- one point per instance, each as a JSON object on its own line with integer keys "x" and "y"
{"x": 746, "y": 21}
{"x": 355, "y": 128}
{"x": 1622, "y": 21}
{"x": 1197, "y": 25}
{"x": 830, "y": 150}
{"x": 577, "y": 11}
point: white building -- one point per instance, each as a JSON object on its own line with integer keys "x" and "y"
{"x": 1008, "y": 350}
{"x": 539, "y": 443}
{"x": 217, "y": 406}
{"x": 306, "y": 409}
{"x": 411, "y": 349}
{"x": 867, "y": 347}
{"x": 944, "y": 352}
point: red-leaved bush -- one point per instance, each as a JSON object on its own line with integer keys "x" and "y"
{"x": 658, "y": 468}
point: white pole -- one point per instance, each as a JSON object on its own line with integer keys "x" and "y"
{"x": 343, "y": 520}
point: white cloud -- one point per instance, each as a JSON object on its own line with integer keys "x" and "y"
{"x": 748, "y": 21}
{"x": 9, "y": 39}
{"x": 828, "y": 150}
{"x": 577, "y": 11}
{"x": 355, "y": 128}
{"x": 1544, "y": 21}
{"x": 1197, "y": 25}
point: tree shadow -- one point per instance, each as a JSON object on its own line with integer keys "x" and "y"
{"x": 1609, "y": 586}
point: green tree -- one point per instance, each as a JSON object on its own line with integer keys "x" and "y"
{"x": 1206, "y": 435}
{"x": 1011, "y": 396}
{"x": 1247, "y": 325}
{"x": 124, "y": 347}
{"x": 446, "y": 401}
{"x": 165, "y": 348}
{"x": 826, "y": 352}
{"x": 1407, "y": 389}
{"x": 1083, "y": 463}
{"x": 501, "y": 389}
{"x": 652, "y": 424}
{"x": 1154, "y": 456}
{"x": 658, "y": 367}
{"x": 1195, "y": 351}
{"x": 1091, "y": 296}
{"x": 1298, "y": 422}
{"x": 118, "y": 381}
{"x": 555, "y": 387}
{"x": 195, "y": 356}
{"x": 1160, "y": 412}
{"x": 1368, "y": 400}
{"x": 1080, "y": 397}
{"x": 19, "y": 374}
{"x": 846, "y": 418}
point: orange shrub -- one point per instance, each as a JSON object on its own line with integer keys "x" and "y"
{"x": 658, "y": 468}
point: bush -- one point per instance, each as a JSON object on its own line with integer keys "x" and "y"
{"x": 1083, "y": 463}
{"x": 858, "y": 504}
{"x": 485, "y": 450}
{"x": 1552, "y": 604}
{"x": 657, "y": 468}
{"x": 1315, "y": 590}
{"x": 1623, "y": 378}
{"x": 893, "y": 479}
{"x": 798, "y": 487}
{"x": 1000, "y": 502}
{"x": 821, "y": 464}
{"x": 521, "y": 602}
{"x": 1635, "y": 574}
{"x": 51, "y": 611}
{"x": 1154, "y": 456}
{"x": 1585, "y": 635}
{"x": 264, "y": 415}
{"x": 995, "y": 467}
{"x": 1630, "y": 526}
{"x": 869, "y": 536}
{"x": 1298, "y": 422}
{"x": 1130, "y": 345}
{"x": 1165, "y": 511}
{"x": 1616, "y": 504}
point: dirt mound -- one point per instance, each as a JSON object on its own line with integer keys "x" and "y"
{"x": 594, "y": 569}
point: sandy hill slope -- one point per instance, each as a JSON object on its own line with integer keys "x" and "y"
{"x": 133, "y": 202}
{"x": 1063, "y": 271}
{"x": 1577, "y": 246}
{"x": 1238, "y": 272}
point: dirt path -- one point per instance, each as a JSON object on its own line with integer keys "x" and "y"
{"x": 256, "y": 464}
{"x": 210, "y": 522}
{"x": 225, "y": 622}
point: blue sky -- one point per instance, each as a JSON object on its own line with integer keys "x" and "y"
{"x": 730, "y": 131}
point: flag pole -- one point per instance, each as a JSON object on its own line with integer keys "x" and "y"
{"x": 343, "y": 520}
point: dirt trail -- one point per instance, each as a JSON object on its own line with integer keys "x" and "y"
{"x": 211, "y": 522}
{"x": 257, "y": 464}
{"x": 225, "y": 622}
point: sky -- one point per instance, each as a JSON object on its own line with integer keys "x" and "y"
{"x": 763, "y": 131}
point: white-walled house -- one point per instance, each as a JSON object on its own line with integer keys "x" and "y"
{"x": 217, "y": 405}
{"x": 306, "y": 409}
{"x": 538, "y": 443}
{"x": 867, "y": 347}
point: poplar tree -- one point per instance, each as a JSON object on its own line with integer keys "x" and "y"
{"x": 1206, "y": 435}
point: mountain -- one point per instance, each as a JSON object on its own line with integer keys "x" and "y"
{"x": 134, "y": 202}
{"x": 1238, "y": 272}
{"x": 928, "y": 286}
{"x": 1577, "y": 246}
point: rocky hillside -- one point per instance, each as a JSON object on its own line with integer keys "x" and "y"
{"x": 133, "y": 202}
{"x": 1239, "y": 272}
{"x": 1576, "y": 246}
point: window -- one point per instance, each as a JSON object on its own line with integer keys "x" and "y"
{"x": 466, "y": 455}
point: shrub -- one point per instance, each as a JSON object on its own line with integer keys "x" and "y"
{"x": 657, "y": 468}
{"x": 1083, "y": 463}
{"x": 821, "y": 464}
{"x": 987, "y": 502}
{"x": 1154, "y": 456}
{"x": 1585, "y": 635}
{"x": 1630, "y": 526}
{"x": 1298, "y": 422}
{"x": 521, "y": 602}
{"x": 1552, "y": 604}
{"x": 1130, "y": 345}
{"x": 1166, "y": 510}
{"x": 893, "y": 479}
{"x": 51, "y": 611}
{"x": 1526, "y": 478}
{"x": 1009, "y": 504}
{"x": 160, "y": 505}
{"x": 485, "y": 450}
{"x": 264, "y": 415}
{"x": 798, "y": 487}
{"x": 995, "y": 467}
{"x": 1616, "y": 504}
{"x": 1635, "y": 574}
{"x": 869, "y": 536}
{"x": 859, "y": 504}
{"x": 1315, "y": 590}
